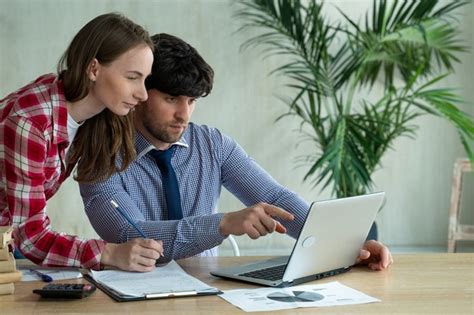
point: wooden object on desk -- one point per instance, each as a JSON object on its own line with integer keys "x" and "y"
{"x": 415, "y": 284}
{"x": 13, "y": 276}
{"x": 5, "y": 235}
{"x": 458, "y": 231}
{"x": 5, "y": 252}
{"x": 7, "y": 288}
{"x": 8, "y": 272}
{"x": 8, "y": 265}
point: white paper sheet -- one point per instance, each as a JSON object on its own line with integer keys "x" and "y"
{"x": 165, "y": 279}
{"x": 56, "y": 274}
{"x": 271, "y": 299}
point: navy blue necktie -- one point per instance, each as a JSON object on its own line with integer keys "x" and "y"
{"x": 170, "y": 183}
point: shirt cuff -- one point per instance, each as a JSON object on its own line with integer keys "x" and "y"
{"x": 92, "y": 254}
{"x": 210, "y": 236}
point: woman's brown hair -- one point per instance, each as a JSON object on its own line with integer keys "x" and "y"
{"x": 105, "y": 137}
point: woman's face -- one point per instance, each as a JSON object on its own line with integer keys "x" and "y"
{"x": 120, "y": 85}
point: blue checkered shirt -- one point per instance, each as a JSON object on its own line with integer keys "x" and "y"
{"x": 204, "y": 161}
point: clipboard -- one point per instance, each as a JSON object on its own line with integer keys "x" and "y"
{"x": 119, "y": 297}
{"x": 166, "y": 281}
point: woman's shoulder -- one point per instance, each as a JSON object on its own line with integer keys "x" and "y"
{"x": 37, "y": 98}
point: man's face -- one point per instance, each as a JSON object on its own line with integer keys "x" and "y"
{"x": 163, "y": 118}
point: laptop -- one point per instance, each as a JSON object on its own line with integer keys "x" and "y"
{"x": 333, "y": 233}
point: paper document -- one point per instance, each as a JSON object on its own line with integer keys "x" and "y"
{"x": 271, "y": 299}
{"x": 56, "y": 274}
{"x": 169, "y": 279}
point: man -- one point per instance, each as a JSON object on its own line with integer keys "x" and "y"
{"x": 184, "y": 214}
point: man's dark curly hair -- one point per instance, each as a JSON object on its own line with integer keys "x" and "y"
{"x": 178, "y": 69}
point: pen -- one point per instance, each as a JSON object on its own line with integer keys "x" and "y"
{"x": 115, "y": 205}
{"x": 43, "y": 276}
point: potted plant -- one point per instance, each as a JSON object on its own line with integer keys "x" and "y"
{"x": 406, "y": 47}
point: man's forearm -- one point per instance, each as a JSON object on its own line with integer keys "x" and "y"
{"x": 186, "y": 237}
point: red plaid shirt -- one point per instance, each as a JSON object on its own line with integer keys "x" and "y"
{"x": 33, "y": 139}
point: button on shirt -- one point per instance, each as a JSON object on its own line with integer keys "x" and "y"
{"x": 204, "y": 161}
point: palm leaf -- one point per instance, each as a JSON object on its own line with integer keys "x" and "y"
{"x": 327, "y": 63}
{"x": 405, "y": 36}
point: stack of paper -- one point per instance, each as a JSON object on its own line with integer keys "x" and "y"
{"x": 8, "y": 272}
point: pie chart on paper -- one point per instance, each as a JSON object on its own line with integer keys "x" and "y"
{"x": 299, "y": 296}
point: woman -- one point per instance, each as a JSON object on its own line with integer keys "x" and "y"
{"x": 82, "y": 112}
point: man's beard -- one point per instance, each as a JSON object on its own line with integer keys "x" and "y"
{"x": 160, "y": 133}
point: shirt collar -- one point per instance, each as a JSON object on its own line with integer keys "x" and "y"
{"x": 143, "y": 146}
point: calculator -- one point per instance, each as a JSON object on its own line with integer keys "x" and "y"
{"x": 66, "y": 290}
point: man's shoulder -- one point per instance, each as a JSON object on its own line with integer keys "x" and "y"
{"x": 196, "y": 130}
{"x": 202, "y": 129}
{"x": 207, "y": 138}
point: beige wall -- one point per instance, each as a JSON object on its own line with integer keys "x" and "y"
{"x": 416, "y": 175}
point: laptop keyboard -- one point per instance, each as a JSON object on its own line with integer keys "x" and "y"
{"x": 271, "y": 274}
